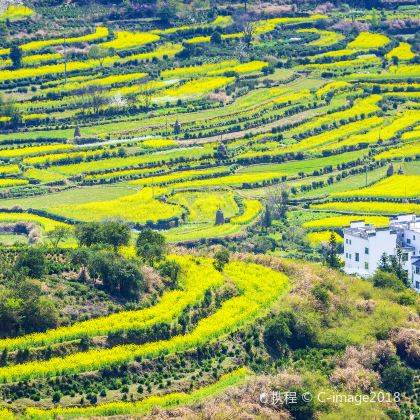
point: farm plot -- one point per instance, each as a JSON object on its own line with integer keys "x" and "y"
{"x": 256, "y": 298}
{"x": 396, "y": 186}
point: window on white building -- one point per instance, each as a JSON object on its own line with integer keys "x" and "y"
{"x": 367, "y": 251}
{"x": 408, "y": 241}
{"x": 417, "y": 270}
{"x": 417, "y": 285}
{"x": 366, "y": 266}
{"x": 356, "y": 256}
{"x": 405, "y": 257}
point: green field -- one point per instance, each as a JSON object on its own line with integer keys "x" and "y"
{"x": 177, "y": 176}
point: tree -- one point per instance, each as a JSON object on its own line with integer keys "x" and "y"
{"x": 166, "y": 10}
{"x": 115, "y": 233}
{"x": 58, "y": 234}
{"x": 387, "y": 279}
{"x": 97, "y": 99}
{"x": 397, "y": 378}
{"x": 177, "y": 128}
{"x": 98, "y": 53}
{"x": 394, "y": 264}
{"x": 170, "y": 270}
{"x": 130, "y": 279}
{"x": 146, "y": 94}
{"x": 277, "y": 199}
{"x": 331, "y": 257}
{"x": 81, "y": 257}
{"x": 221, "y": 258}
{"x": 248, "y": 31}
{"x": 118, "y": 275}
{"x": 16, "y": 56}
{"x": 56, "y": 397}
{"x": 216, "y": 38}
{"x": 267, "y": 219}
{"x": 151, "y": 246}
{"x": 76, "y": 132}
{"x": 3, "y": 32}
{"x": 88, "y": 234}
{"x": 32, "y": 262}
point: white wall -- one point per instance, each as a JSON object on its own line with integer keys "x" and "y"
{"x": 382, "y": 241}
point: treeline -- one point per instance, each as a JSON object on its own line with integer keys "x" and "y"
{"x": 26, "y": 307}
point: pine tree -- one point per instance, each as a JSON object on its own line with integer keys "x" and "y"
{"x": 332, "y": 259}
{"x": 267, "y": 219}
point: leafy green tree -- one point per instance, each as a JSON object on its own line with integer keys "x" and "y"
{"x": 221, "y": 258}
{"x": 394, "y": 264}
{"x": 397, "y": 378}
{"x": 98, "y": 53}
{"x": 170, "y": 270}
{"x": 131, "y": 281}
{"x": 56, "y": 397}
{"x": 216, "y": 38}
{"x": 88, "y": 234}
{"x": 300, "y": 408}
{"x": 16, "y": 56}
{"x": 166, "y": 10}
{"x": 81, "y": 257}
{"x": 115, "y": 233}
{"x": 118, "y": 275}
{"x": 151, "y": 246}
{"x": 32, "y": 262}
{"x": 3, "y": 32}
{"x": 85, "y": 343}
{"x": 58, "y": 234}
{"x": 331, "y": 256}
{"x": 387, "y": 279}
{"x": 290, "y": 330}
{"x": 267, "y": 219}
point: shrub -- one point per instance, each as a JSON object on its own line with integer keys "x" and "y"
{"x": 384, "y": 279}
{"x": 397, "y": 378}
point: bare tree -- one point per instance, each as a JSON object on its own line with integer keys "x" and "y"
{"x": 277, "y": 198}
{"x": 147, "y": 92}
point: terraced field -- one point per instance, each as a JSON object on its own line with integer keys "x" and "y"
{"x": 256, "y": 127}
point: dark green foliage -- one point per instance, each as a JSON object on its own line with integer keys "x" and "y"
{"x": 115, "y": 233}
{"x": 290, "y": 331}
{"x": 171, "y": 270}
{"x": 299, "y": 408}
{"x": 24, "y": 308}
{"x": 331, "y": 255}
{"x": 216, "y": 37}
{"x": 88, "y": 234}
{"x": 151, "y": 246}
{"x": 118, "y": 275}
{"x": 16, "y": 56}
{"x": 221, "y": 258}
{"x": 85, "y": 343}
{"x": 394, "y": 264}
{"x": 56, "y": 397}
{"x": 110, "y": 232}
{"x": 267, "y": 219}
{"x": 387, "y": 279}
{"x": 397, "y": 378}
{"x": 32, "y": 262}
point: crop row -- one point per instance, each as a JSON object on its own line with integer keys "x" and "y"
{"x": 257, "y": 296}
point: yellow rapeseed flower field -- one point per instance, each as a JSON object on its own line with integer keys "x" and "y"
{"x": 368, "y": 40}
{"x": 402, "y": 52}
{"x": 126, "y": 39}
{"x": 341, "y": 221}
{"x": 395, "y": 186}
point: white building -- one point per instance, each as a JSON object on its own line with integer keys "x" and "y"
{"x": 364, "y": 245}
